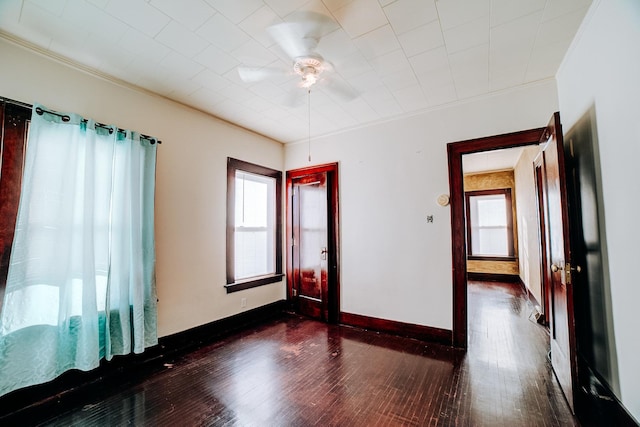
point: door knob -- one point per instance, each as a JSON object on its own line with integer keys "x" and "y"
{"x": 555, "y": 268}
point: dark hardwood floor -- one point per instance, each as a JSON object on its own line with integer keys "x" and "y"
{"x": 298, "y": 372}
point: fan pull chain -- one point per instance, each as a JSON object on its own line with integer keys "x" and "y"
{"x": 309, "y": 121}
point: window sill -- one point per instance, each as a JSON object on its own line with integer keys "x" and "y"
{"x": 491, "y": 258}
{"x": 253, "y": 282}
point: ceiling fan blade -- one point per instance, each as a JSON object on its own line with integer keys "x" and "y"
{"x": 299, "y": 36}
{"x": 256, "y": 74}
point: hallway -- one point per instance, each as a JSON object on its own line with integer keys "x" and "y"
{"x": 510, "y": 373}
{"x": 297, "y": 372}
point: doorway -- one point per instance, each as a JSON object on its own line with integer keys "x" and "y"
{"x": 456, "y": 187}
{"x": 313, "y": 285}
{"x": 562, "y": 335}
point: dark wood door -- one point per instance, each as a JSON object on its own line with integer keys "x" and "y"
{"x": 597, "y": 370}
{"x": 562, "y": 329}
{"x": 310, "y": 245}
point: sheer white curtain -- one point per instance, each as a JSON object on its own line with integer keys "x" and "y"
{"x": 81, "y": 280}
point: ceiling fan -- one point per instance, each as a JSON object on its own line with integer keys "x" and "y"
{"x": 299, "y": 38}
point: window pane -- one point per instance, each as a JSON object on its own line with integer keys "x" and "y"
{"x": 254, "y": 225}
{"x": 492, "y": 241}
{"x": 489, "y": 223}
{"x": 252, "y": 253}
{"x": 252, "y": 194}
{"x": 491, "y": 211}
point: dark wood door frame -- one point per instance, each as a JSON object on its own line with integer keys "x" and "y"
{"x": 333, "y": 240}
{"x": 543, "y": 251}
{"x": 455, "y": 151}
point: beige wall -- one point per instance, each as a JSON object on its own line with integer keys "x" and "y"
{"x": 493, "y": 181}
{"x": 190, "y": 186}
{"x": 396, "y": 265}
{"x": 528, "y": 224}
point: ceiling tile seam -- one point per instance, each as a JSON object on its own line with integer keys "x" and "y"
{"x": 59, "y": 15}
{"x": 193, "y": 33}
{"x": 21, "y": 22}
{"x": 364, "y": 58}
{"x": 215, "y": 11}
{"x": 489, "y": 74}
{"x": 238, "y": 25}
{"x": 410, "y": 29}
{"x": 413, "y": 71}
{"x": 196, "y": 34}
{"x": 370, "y": 31}
{"x": 491, "y": 26}
{"x": 136, "y": 29}
{"x": 455, "y": 88}
{"x": 546, "y": 4}
{"x": 114, "y": 80}
{"x": 490, "y": 42}
{"x": 450, "y": 104}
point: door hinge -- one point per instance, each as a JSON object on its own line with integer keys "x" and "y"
{"x": 294, "y": 292}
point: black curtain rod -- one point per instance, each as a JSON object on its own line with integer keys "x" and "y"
{"x": 14, "y": 102}
{"x": 66, "y": 118}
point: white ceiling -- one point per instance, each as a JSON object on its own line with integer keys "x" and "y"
{"x": 400, "y": 56}
{"x": 495, "y": 160}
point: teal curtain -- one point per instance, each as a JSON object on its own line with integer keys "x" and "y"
{"x": 81, "y": 279}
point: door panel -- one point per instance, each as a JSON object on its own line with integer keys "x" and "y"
{"x": 594, "y": 315}
{"x": 562, "y": 327}
{"x": 310, "y": 244}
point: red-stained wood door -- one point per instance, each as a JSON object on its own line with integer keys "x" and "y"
{"x": 563, "y": 339}
{"x": 14, "y": 125}
{"x": 312, "y": 234}
{"x": 310, "y": 245}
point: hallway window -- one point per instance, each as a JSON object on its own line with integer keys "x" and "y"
{"x": 254, "y": 236}
{"x": 489, "y": 223}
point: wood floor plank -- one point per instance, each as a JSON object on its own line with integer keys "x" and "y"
{"x": 298, "y": 372}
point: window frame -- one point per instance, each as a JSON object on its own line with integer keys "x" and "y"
{"x": 233, "y": 285}
{"x": 510, "y": 225}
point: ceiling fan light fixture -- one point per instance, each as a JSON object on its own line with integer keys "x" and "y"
{"x": 309, "y": 79}
{"x": 309, "y": 68}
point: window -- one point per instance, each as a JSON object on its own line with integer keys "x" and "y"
{"x": 254, "y": 225}
{"x": 489, "y": 224}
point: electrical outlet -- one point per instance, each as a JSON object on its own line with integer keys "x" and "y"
{"x": 243, "y": 303}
